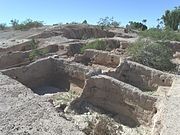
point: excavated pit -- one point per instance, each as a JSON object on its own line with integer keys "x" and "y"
{"x": 47, "y": 76}
{"x": 116, "y": 66}
{"x": 140, "y": 76}
{"x": 130, "y": 104}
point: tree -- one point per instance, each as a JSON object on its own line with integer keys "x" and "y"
{"x": 108, "y": 22}
{"x": 137, "y": 25}
{"x": 172, "y": 18}
{"x": 3, "y": 26}
{"x": 105, "y": 22}
{"x": 85, "y": 22}
{"x": 115, "y": 24}
{"x": 14, "y": 22}
{"x": 144, "y": 21}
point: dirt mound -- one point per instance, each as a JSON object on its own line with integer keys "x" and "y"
{"x": 75, "y": 32}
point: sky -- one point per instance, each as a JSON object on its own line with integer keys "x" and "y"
{"x": 62, "y": 11}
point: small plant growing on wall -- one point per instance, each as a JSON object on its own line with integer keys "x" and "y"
{"x": 36, "y": 53}
{"x": 97, "y": 45}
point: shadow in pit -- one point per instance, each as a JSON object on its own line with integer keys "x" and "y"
{"x": 53, "y": 84}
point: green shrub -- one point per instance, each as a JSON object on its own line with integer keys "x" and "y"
{"x": 154, "y": 55}
{"x": 36, "y": 53}
{"x": 159, "y": 34}
{"x": 137, "y": 25}
{"x": 97, "y": 45}
{"x": 27, "y": 24}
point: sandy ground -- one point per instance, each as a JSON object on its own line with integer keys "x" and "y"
{"x": 24, "y": 113}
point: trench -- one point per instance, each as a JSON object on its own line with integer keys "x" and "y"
{"x": 42, "y": 78}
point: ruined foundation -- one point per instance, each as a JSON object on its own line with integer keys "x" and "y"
{"x": 130, "y": 93}
{"x": 52, "y": 75}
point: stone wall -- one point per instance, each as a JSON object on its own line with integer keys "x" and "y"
{"x": 121, "y": 98}
{"x": 74, "y": 48}
{"x": 51, "y": 71}
{"x": 13, "y": 59}
{"x": 141, "y": 76}
{"x": 76, "y": 71}
{"x": 22, "y": 46}
{"x": 22, "y": 58}
{"x": 114, "y": 43}
{"x": 34, "y": 75}
{"x": 99, "y": 57}
{"x": 85, "y": 32}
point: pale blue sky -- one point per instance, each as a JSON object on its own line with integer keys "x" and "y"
{"x": 55, "y": 11}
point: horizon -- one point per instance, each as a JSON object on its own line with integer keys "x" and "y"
{"x": 66, "y": 11}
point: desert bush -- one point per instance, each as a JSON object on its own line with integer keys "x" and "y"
{"x": 2, "y": 26}
{"x": 97, "y": 45}
{"x": 154, "y": 55}
{"x": 102, "y": 125}
{"x": 137, "y": 25}
{"x": 25, "y": 25}
{"x": 161, "y": 34}
{"x": 36, "y": 53}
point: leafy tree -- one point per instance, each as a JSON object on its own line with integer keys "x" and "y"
{"x": 172, "y": 18}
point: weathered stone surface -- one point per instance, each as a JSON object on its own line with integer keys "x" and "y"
{"x": 15, "y": 45}
{"x": 22, "y": 58}
{"x": 174, "y": 45}
{"x": 74, "y": 48}
{"x": 51, "y": 71}
{"x": 75, "y": 32}
{"x": 168, "y": 121}
{"x": 141, "y": 76}
{"x": 118, "y": 97}
{"x": 84, "y": 32}
{"x": 99, "y": 57}
{"x": 22, "y": 112}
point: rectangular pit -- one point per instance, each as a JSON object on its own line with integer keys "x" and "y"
{"x": 47, "y": 76}
{"x": 130, "y": 103}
